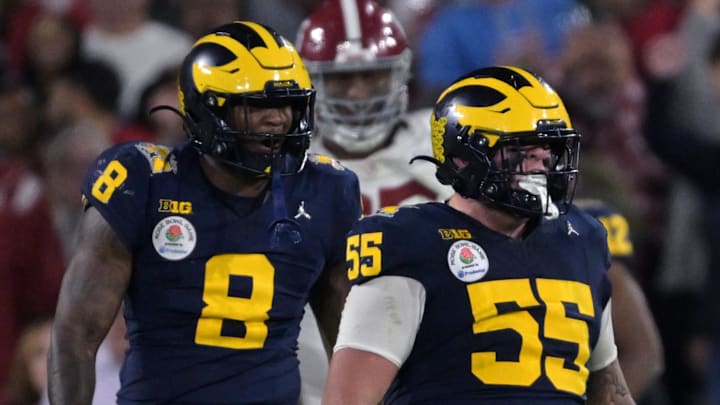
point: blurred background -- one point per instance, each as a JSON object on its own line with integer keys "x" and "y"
{"x": 640, "y": 78}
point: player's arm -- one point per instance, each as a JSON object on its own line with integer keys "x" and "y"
{"x": 358, "y": 377}
{"x": 608, "y": 386}
{"x": 327, "y": 299}
{"x": 379, "y": 324}
{"x": 638, "y": 340}
{"x": 90, "y": 296}
{"x": 606, "y": 383}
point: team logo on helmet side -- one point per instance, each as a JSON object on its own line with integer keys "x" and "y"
{"x": 437, "y": 128}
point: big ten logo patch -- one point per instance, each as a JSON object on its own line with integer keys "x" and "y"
{"x": 450, "y": 234}
{"x": 175, "y": 207}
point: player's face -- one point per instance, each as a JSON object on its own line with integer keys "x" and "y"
{"x": 268, "y": 120}
{"x": 529, "y": 158}
{"x": 358, "y": 85}
{"x": 524, "y": 159}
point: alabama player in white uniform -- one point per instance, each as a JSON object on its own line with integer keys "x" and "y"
{"x": 386, "y": 177}
{"x": 359, "y": 62}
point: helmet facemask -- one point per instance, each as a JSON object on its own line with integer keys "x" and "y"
{"x": 231, "y": 142}
{"x": 359, "y": 125}
{"x": 512, "y": 186}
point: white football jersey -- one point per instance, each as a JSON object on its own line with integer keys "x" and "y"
{"x": 387, "y": 178}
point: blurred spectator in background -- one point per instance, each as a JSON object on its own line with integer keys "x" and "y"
{"x": 31, "y": 263}
{"x": 414, "y": 15}
{"x": 138, "y": 48}
{"x": 19, "y": 115}
{"x": 27, "y": 381}
{"x": 692, "y": 149}
{"x": 67, "y": 160}
{"x": 165, "y": 126}
{"x": 606, "y": 98}
{"x": 642, "y": 20}
{"x": 286, "y": 22}
{"x": 89, "y": 93}
{"x": 22, "y": 17}
{"x": 52, "y": 46}
{"x": 687, "y": 279}
{"x": 464, "y": 35}
{"x": 197, "y": 18}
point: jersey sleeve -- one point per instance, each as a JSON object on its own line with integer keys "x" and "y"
{"x": 383, "y": 316}
{"x": 376, "y": 247}
{"x": 348, "y": 209}
{"x": 117, "y": 186}
{"x": 605, "y": 350}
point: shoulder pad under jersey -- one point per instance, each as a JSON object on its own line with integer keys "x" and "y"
{"x": 118, "y": 181}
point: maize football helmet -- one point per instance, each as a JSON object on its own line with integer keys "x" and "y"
{"x": 251, "y": 65}
{"x": 485, "y": 119}
{"x": 356, "y": 36}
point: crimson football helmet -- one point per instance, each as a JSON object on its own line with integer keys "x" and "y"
{"x": 246, "y": 64}
{"x": 356, "y": 36}
{"x": 487, "y": 119}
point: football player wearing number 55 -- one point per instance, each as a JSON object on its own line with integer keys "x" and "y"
{"x": 500, "y": 295}
{"x": 214, "y": 246}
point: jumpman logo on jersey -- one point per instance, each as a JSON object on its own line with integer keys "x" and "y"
{"x": 570, "y": 229}
{"x": 301, "y": 211}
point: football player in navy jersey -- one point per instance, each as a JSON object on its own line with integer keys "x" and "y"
{"x": 215, "y": 246}
{"x": 500, "y": 295}
{"x": 640, "y": 348}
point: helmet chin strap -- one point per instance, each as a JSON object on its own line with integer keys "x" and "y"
{"x": 537, "y": 184}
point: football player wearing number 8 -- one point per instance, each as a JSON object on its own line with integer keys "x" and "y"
{"x": 215, "y": 246}
{"x": 500, "y": 295}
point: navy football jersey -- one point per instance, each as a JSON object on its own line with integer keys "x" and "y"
{"x": 617, "y": 226}
{"x": 506, "y": 321}
{"x": 216, "y": 296}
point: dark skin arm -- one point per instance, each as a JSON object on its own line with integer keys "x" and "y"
{"x": 608, "y": 387}
{"x": 91, "y": 293}
{"x": 327, "y": 300}
{"x": 637, "y": 338}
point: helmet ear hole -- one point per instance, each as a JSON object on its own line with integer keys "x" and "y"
{"x": 210, "y": 100}
{"x": 219, "y": 148}
{"x": 447, "y": 175}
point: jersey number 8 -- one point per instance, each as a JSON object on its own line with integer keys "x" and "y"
{"x": 252, "y": 311}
